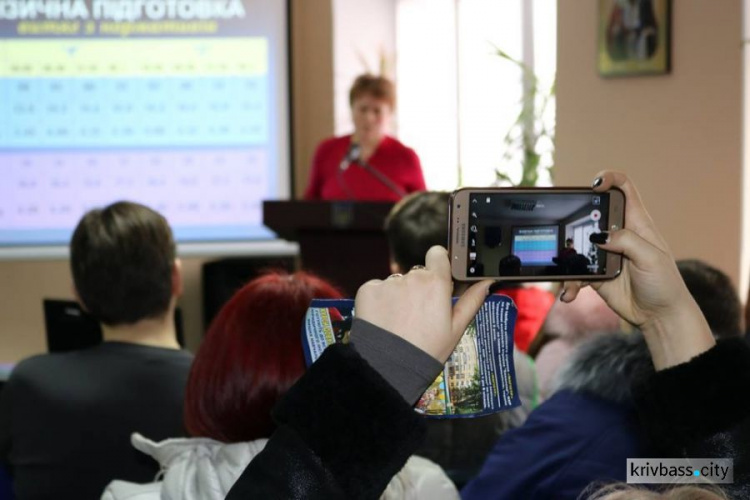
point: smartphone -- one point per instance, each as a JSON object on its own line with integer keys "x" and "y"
{"x": 533, "y": 234}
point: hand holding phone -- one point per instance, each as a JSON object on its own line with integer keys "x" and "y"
{"x": 539, "y": 234}
{"x": 649, "y": 293}
{"x": 417, "y": 307}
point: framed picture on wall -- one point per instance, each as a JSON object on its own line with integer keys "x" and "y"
{"x": 634, "y": 37}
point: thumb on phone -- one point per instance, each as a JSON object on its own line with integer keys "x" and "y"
{"x": 467, "y": 307}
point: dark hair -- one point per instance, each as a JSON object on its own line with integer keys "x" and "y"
{"x": 510, "y": 265}
{"x": 122, "y": 258}
{"x": 415, "y": 224}
{"x": 251, "y": 356}
{"x": 377, "y": 86}
{"x": 715, "y": 295}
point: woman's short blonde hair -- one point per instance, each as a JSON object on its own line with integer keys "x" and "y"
{"x": 378, "y": 87}
{"x": 622, "y": 491}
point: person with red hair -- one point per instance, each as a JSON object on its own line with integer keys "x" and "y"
{"x": 251, "y": 356}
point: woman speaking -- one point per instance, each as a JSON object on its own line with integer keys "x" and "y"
{"x": 368, "y": 164}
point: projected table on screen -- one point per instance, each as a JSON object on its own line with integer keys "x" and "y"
{"x": 183, "y": 125}
{"x": 535, "y": 245}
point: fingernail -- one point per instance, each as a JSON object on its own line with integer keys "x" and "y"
{"x": 597, "y": 182}
{"x": 599, "y": 238}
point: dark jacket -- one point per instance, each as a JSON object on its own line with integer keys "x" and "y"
{"x": 569, "y": 441}
{"x": 585, "y": 432}
{"x": 701, "y": 409}
{"x": 66, "y": 418}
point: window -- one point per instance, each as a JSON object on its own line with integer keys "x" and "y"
{"x": 457, "y": 98}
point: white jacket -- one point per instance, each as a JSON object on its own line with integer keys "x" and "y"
{"x": 204, "y": 469}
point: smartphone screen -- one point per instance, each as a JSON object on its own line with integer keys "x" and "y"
{"x": 535, "y": 234}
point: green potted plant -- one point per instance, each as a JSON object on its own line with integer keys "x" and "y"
{"x": 531, "y": 138}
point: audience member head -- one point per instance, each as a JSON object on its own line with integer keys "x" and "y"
{"x": 623, "y": 491}
{"x": 250, "y": 357}
{"x": 510, "y": 265}
{"x": 607, "y": 366}
{"x": 587, "y": 315}
{"x": 124, "y": 265}
{"x": 415, "y": 224}
{"x": 372, "y": 99}
{"x": 565, "y": 328}
{"x": 715, "y": 295}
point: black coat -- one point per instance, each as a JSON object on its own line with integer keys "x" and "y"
{"x": 701, "y": 409}
{"x": 344, "y": 432}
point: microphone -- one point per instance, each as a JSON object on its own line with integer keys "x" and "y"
{"x": 352, "y": 156}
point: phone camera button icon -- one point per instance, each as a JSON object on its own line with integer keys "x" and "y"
{"x": 596, "y": 215}
{"x": 473, "y": 229}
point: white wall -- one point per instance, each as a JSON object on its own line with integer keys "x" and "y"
{"x": 679, "y": 136}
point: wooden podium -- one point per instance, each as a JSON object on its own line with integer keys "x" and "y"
{"x": 342, "y": 241}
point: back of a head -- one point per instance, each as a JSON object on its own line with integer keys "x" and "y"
{"x": 250, "y": 357}
{"x": 510, "y": 265}
{"x": 622, "y": 491}
{"x": 715, "y": 295}
{"x": 586, "y": 315}
{"x": 415, "y": 224}
{"x": 122, "y": 257}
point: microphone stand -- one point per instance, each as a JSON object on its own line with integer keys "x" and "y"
{"x": 346, "y": 161}
{"x": 380, "y": 177}
{"x": 342, "y": 182}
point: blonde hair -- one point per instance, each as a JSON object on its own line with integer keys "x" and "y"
{"x": 378, "y": 87}
{"x": 622, "y": 491}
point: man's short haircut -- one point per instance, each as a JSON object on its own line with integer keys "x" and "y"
{"x": 121, "y": 258}
{"x": 715, "y": 295}
{"x": 378, "y": 87}
{"x": 415, "y": 224}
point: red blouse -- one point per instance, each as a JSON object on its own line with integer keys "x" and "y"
{"x": 396, "y": 161}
